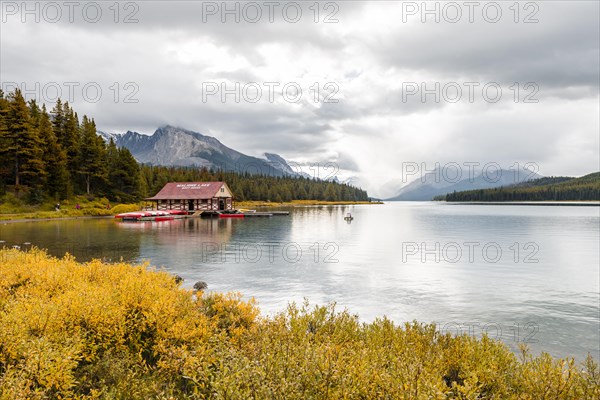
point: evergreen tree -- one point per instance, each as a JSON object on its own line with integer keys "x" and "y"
{"x": 330, "y": 192}
{"x": 92, "y": 156}
{"x": 64, "y": 136}
{"x": 54, "y": 156}
{"x": 22, "y": 146}
{"x": 123, "y": 173}
{"x": 5, "y": 164}
{"x": 58, "y": 121}
{"x": 34, "y": 113}
{"x": 71, "y": 137}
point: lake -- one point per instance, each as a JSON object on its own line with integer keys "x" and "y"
{"x": 523, "y": 274}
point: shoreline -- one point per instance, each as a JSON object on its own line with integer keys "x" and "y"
{"x": 32, "y": 217}
{"x": 14, "y": 221}
{"x": 526, "y": 203}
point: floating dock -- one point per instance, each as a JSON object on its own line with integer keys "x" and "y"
{"x": 238, "y": 214}
{"x": 258, "y": 214}
{"x": 175, "y": 214}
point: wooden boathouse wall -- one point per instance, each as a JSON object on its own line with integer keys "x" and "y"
{"x": 194, "y": 196}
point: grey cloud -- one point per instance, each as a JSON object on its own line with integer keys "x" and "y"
{"x": 561, "y": 50}
{"x": 360, "y": 53}
{"x": 346, "y": 162}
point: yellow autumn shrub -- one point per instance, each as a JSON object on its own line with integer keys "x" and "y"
{"x": 116, "y": 331}
{"x": 61, "y": 320}
{"x": 123, "y": 208}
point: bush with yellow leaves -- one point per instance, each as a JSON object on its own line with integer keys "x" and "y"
{"x": 117, "y": 331}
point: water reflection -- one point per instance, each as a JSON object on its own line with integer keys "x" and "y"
{"x": 83, "y": 238}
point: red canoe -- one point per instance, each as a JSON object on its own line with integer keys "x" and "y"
{"x": 231, "y": 215}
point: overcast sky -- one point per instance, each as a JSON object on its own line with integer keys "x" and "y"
{"x": 374, "y": 68}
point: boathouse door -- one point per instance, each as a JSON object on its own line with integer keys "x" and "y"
{"x": 221, "y": 204}
{"x": 190, "y": 205}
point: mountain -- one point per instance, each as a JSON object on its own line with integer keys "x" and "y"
{"x": 351, "y": 180}
{"x": 107, "y": 136}
{"x": 560, "y": 188}
{"x": 434, "y": 184}
{"x": 279, "y": 162}
{"x": 173, "y": 146}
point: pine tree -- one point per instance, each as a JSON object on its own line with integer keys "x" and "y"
{"x": 55, "y": 158}
{"x": 123, "y": 173}
{"x": 34, "y": 113}
{"x": 64, "y": 136}
{"x": 22, "y": 145}
{"x": 92, "y": 156}
{"x": 330, "y": 192}
{"x": 71, "y": 137}
{"x": 5, "y": 164}
{"x": 58, "y": 122}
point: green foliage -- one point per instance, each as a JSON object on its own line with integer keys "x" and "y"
{"x": 116, "y": 331}
{"x": 123, "y": 173}
{"x": 91, "y": 158}
{"x": 544, "y": 189}
{"x": 21, "y": 144}
{"x": 70, "y": 135}
{"x": 12, "y": 207}
{"x": 123, "y": 208}
{"x": 54, "y": 156}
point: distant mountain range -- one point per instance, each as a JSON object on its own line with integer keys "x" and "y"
{"x": 173, "y": 146}
{"x": 433, "y": 184}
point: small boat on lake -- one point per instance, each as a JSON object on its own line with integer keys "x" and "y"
{"x": 348, "y": 217}
{"x": 230, "y": 214}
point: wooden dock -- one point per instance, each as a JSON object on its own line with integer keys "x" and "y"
{"x": 265, "y": 213}
{"x": 258, "y": 214}
{"x": 246, "y": 214}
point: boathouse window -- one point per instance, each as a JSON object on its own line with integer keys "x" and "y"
{"x": 222, "y": 190}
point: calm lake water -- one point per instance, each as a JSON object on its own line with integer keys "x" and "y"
{"x": 525, "y": 274}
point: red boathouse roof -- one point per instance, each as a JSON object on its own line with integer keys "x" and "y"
{"x": 188, "y": 191}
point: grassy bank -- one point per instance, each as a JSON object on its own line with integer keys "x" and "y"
{"x": 105, "y": 331}
{"x": 298, "y": 203}
{"x": 12, "y": 208}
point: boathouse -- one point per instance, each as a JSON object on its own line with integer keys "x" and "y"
{"x": 194, "y": 196}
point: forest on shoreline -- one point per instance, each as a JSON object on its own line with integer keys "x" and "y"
{"x": 585, "y": 188}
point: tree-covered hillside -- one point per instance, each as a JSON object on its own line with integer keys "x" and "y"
{"x": 54, "y": 155}
{"x": 544, "y": 189}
